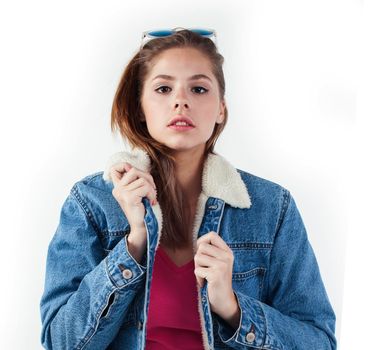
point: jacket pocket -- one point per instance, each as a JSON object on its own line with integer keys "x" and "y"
{"x": 249, "y": 282}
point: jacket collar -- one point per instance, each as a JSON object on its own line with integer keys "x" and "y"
{"x": 219, "y": 178}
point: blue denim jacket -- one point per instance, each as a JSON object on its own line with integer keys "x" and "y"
{"x": 97, "y": 295}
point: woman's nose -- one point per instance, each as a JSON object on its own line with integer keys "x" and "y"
{"x": 184, "y": 105}
{"x": 181, "y": 99}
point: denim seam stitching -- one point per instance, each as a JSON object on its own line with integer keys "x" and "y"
{"x": 84, "y": 342}
{"x": 98, "y": 319}
{"x": 265, "y": 324}
{"x": 89, "y": 178}
{"x": 119, "y": 233}
{"x": 109, "y": 274}
{"x": 85, "y": 208}
{"x": 247, "y": 274}
{"x": 119, "y": 287}
{"x": 261, "y": 282}
{"x": 286, "y": 200}
{"x": 75, "y": 195}
{"x": 250, "y": 245}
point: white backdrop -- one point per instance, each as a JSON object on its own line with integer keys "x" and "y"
{"x": 290, "y": 70}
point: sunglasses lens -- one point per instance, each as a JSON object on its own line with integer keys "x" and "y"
{"x": 202, "y": 31}
{"x": 160, "y": 33}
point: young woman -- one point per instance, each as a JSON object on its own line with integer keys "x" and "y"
{"x": 171, "y": 247}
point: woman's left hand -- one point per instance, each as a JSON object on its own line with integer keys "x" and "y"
{"x": 214, "y": 262}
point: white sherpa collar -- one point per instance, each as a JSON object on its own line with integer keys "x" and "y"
{"x": 219, "y": 179}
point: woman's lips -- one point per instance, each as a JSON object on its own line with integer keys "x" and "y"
{"x": 181, "y": 127}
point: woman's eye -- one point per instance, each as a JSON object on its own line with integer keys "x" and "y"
{"x": 162, "y": 87}
{"x": 200, "y": 87}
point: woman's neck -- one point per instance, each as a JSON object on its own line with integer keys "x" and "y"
{"x": 188, "y": 171}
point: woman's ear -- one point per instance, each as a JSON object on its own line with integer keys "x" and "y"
{"x": 221, "y": 115}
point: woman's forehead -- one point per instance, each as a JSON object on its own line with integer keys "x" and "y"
{"x": 181, "y": 63}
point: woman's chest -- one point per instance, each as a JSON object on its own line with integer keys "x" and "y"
{"x": 179, "y": 257}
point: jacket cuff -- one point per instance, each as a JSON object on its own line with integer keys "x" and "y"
{"x": 121, "y": 267}
{"x": 252, "y": 328}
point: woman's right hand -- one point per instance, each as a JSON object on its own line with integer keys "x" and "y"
{"x": 130, "y": 186}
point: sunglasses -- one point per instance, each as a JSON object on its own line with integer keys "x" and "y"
{"x": 159, "y": 33}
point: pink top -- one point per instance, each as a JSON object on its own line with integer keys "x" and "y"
{"x": 173, "y": 315}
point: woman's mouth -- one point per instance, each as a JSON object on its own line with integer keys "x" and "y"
{"x": 181, "y": 127}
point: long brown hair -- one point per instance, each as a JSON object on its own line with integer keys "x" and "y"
{"x": 126, "y": 115}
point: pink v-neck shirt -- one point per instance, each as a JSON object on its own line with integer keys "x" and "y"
{"x": 173, "y": 315}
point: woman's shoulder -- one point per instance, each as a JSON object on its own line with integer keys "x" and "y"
{"x": 261, "y": 187}
{"x": 269, "y": 201}
{"x": 93, "y": 190}
{"x": 94, "y": 194}
{"x": 94, "y": 181}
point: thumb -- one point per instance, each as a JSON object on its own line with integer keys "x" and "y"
{"x": 127, "y": 166}
{"x": 200, "y": 281}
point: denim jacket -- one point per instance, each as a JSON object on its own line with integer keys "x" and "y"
{"x": 96, "y": 294}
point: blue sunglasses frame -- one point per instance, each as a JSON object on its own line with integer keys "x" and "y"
{"x": 160, "y": 33}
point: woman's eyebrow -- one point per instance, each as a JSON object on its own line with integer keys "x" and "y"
{"x": 194, "y": 77}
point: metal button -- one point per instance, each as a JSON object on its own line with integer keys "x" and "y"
{"x": 127, "y": 273}
{"x": 250, "y": 337}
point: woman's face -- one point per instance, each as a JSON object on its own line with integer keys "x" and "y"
{"x": 178, "y": 92}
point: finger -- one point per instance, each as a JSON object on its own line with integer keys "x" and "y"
{"x": 134, "y": 174}
{"x": 214, "y": 239}
{"x": 117, "y": 171}
{"x": 200, "y": 281}
{"x": 143, "y": 174}
{"x": 204, "y": 260}
{"x": 116, "y": 174}
{"x": 121, "y": 167}
{"x": 132, "y": 182}
{"x": 202, "y": 274}
{"x": 139, "y": 182}
{"x": 146, "y": 190}
{"x": 127, "y": 167}
{"x": 212, "y": 250}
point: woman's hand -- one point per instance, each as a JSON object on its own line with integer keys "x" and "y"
{"x": 214, "y": 262}
{"x": 130, "y": 186}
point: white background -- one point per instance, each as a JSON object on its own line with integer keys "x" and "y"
{"x": 299, "y": 115}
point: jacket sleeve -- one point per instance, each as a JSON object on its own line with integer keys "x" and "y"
{"x": 297, "y": 313}
{"x": 86, "y": 294}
